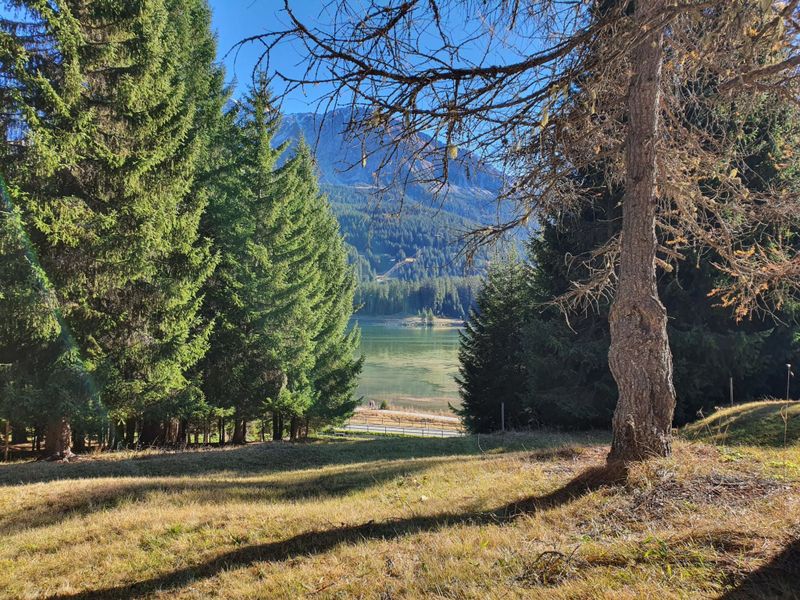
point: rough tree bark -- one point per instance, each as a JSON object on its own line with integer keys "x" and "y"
{"x": 239, "y": 430}
{"x": 277, "y": 427}
{"x": 294, "y": 428}
{"x": 639, "y": 356}
{"x": 58, "y": 439}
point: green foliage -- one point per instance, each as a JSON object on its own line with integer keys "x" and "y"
{"x": 177, "y": 266}
{"x": 389, "y": 234}
{"x": 492, "y": 367}
{"x": 406, "y": 258}
{"x": 283, "y": 293}
{"x": 41, "y": 371}
{"x": 105, "y": 178}
{"x": 442, "y": 296}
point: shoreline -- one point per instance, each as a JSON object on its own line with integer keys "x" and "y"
{"x": 409, "y": 321}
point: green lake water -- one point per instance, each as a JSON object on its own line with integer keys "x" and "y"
{"x": 409, "y": 367}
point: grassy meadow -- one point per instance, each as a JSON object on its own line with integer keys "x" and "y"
{"x": 534, "y": 515}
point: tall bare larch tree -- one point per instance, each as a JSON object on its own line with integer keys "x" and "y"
{"x": 657, "y": 93}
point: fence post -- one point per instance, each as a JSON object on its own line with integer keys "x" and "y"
{"x": 731, "y": 385}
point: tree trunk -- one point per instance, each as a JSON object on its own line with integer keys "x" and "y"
{"x": 294, "y": 428}
{"x": 130, "y": 433}
{"x": 277, "y": 427}
{"x": 151, "y": 434}
{"x": 58, "y": 438}
{"x": 78, "y": 440}
{"x": 6, "y": 441}
{"x": 206, "y": 432}
{"x": 221, "y": 431}
{"x": 19, "y": 434}
{"x": 239, "y": 430}
{"x": 184, "y": 430}
{"x": 639, "y": 356}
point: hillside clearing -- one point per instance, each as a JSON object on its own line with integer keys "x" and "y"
{"x": 765, "y": 423}
{"x": 515, "y": 516}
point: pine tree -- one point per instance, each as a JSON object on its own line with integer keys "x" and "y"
{"x": 492, "y": 375}
{"x": 113, "y": 136}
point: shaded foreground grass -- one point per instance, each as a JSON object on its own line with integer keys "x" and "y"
{"x": 515, "y": 516}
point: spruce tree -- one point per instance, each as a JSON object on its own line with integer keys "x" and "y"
{"x": 41, "y": 371}
{"x": 335, "y": 371}
{"x": 282, "y": 295}
{"x": 492, "y": 374}
{"x": 113, "y": 133}
{"x": 241, "y": 369}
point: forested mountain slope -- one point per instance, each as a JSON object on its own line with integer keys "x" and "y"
{"x": 406, "y": 245}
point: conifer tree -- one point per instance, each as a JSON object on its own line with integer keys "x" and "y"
{"x": 283, "y": 292}
{"x": 492, "y": 371}
{"x": 241, "y": 369}
{"x": 41, "y": 373}
{"x": 282, "y": 295}
{"x": 335, "y": 371}
{"x": 112, "y": 138}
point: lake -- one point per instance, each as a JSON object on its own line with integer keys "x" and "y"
{"x": 409, "y": 367}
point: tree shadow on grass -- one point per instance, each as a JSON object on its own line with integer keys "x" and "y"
{"x": 262, "y": 458}
{"x": 99, "y": 497}
{"x": 779, "y": 578}
{"x": 321, "y": 541}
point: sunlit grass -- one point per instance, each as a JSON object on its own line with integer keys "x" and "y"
{"x": 488, "y": 517}
{"x": 766, "y": 423}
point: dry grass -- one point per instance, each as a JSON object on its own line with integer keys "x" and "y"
{"x": 399, "y": 418}
{"x": 765, "y": 423}
{"x": 516, "y": 516}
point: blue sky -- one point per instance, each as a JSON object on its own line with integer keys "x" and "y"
{"x": 235, "y": 20}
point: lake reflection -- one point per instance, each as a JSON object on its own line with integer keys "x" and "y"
{"x": 409, "y": 367}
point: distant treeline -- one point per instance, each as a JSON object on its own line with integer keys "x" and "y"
{"x": 444, "y": 296}
{"x": 437, "y": 279}
{"x": 383, "y": 234}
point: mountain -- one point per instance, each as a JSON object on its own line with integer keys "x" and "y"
{"x": 406, "y": 243}
{"x": 472, "y": 186}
